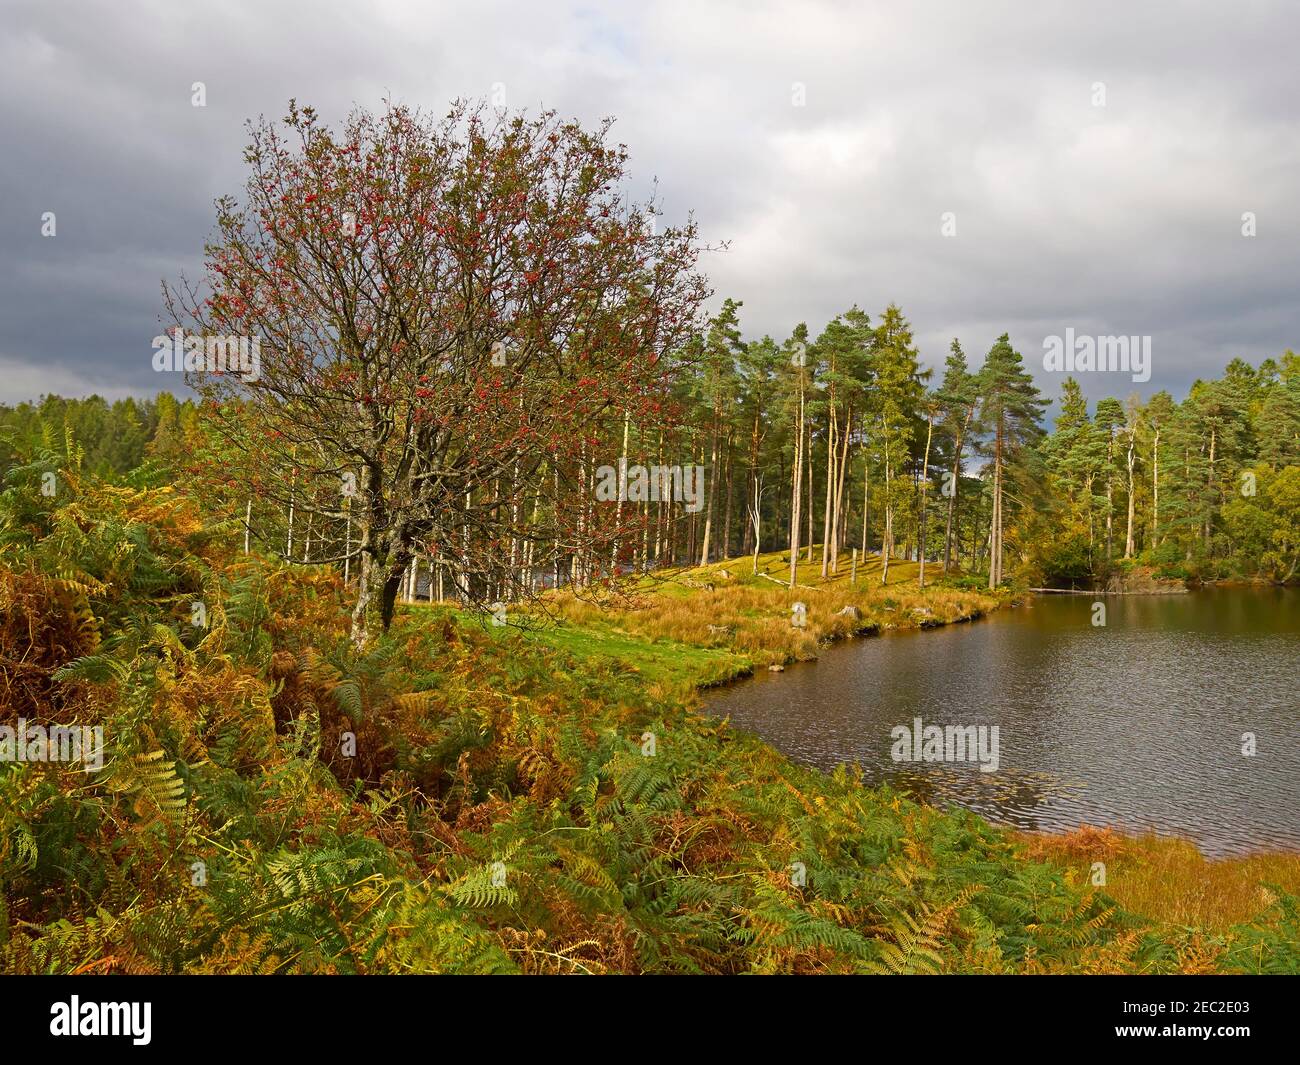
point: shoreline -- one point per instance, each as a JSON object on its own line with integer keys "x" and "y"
{"x": 874, "y": 629}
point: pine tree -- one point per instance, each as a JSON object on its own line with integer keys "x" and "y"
{"x": 843, "y": 353}
{"x": 796, "y": 350}
{"x": 1107, "y": 420}
{"x": 957, "y": 399}
{"x": 1159, "y": 413}
{"x": 1010, "y": 407}
{"x": 721, "y": 345}
{"x": 897, "y": 394}
{"x": 1277, "y": 423}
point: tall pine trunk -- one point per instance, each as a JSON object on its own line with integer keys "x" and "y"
{"x": 1128, "y": 537}
{"x": 925, "y": 484}
{"x": 995, "y": 529}
{"x": 796, "y": 478}
{"x": 830, "y": 491}
{"x": 887, "y": 537}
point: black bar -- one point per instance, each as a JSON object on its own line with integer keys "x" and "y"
{"x": 265, "y": 1014}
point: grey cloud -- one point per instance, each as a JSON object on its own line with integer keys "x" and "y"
{"x": 1115, "y": 219}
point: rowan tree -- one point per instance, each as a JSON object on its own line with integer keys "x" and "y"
{"x": 451, "y": 315}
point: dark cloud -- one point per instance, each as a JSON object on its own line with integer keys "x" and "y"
{"x": 1123, "y": 218}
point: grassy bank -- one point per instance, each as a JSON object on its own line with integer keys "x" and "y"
{"x": 701, "y": 626}
{"x": 1168, "y": 879}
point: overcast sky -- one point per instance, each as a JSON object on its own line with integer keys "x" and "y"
{"x": 1119, "y": 218}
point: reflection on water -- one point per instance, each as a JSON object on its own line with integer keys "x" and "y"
{"x": 1137, "y": 724}
{"x": 1010, "y": 795}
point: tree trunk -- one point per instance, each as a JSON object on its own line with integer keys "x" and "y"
{"x": 866, "y": 498}
{"x": 995, "y": 526}
{"x": 840, "y": 517}
{"x": 796, "y": 477}
{"x": 830, "y": 490}
{"x": 808, "y": 450}
{"x": 1155, "y": 490}
{"x": 712, "y": 473}
{"x": 952, "y": 499}
{"x": 925, "y": 484}
{"x": 365, "y": 592}
{"x": 887, "y": 537}
{"x": 1209, "y": 503}
{"x": 1128, "y": 537}
{"x": 726, "y": 521}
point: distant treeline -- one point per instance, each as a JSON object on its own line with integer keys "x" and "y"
{"x": 840, "y": 443}
{"x": 114, "y": 438}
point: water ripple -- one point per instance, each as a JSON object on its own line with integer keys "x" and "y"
{"x": 1138, "y": 724}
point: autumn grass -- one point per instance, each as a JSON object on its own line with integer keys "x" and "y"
{"x": 741, "y": 619}
{"x": 1168, "y": 879}
{"x": 677, "y": 665}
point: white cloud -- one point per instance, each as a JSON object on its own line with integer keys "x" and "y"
{"x": 21, "y": 381}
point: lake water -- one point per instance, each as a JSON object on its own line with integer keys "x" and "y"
{"x": 1138, "y": 723}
